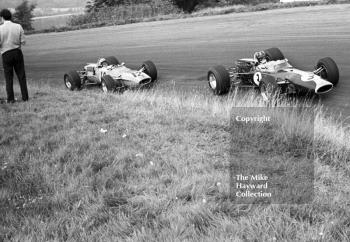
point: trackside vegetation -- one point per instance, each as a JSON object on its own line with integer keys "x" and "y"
{"x": 158, "y": 10}
{"x": 151, "y": 166}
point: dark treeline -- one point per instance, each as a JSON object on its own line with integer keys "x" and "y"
{"x": 185, "y": 5}
{"x": 114, "y": 12}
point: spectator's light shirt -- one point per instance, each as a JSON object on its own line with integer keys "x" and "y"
{"x": 11, "y": 36}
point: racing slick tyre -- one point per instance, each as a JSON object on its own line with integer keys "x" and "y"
{"x": 219, "y": 80}
{"x": 274, "y": 54}
{"x": 108, "y": 84}
{"x": 150, "y": 69}
{"x": 330, "y": 71}
{"x": 269, "y": 88}
{"x": 72, "y": 80}
{"x": 111, "y": 60}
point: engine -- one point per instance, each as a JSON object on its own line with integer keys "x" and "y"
{"x": 245, "y": 69}
{"x": 90, "y": 73}
{"x": 244, "y": 66}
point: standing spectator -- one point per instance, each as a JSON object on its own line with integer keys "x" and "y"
{"x": 11, "y": 41}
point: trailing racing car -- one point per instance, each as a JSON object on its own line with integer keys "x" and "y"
{"x": 271, "y": 72}
{"x": 112, "y": 75}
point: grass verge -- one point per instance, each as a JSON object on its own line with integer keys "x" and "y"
{"x": 158, "y": 173}
{"x": 110, "y": 18}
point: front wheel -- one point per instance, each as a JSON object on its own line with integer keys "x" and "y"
{"x": 328, "y": 70}
{"x": 72, "y": 80}
{"x": 274, "y": 54}
{"x": 150, "y": 69}
{"x": 219, "y": 80}
{"x": 111, "y": 60}
{"x": 110, "y": 85}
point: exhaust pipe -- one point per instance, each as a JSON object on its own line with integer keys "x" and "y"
{"x": 322, "y": 86}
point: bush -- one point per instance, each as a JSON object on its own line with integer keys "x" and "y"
{"x": 24, "y": 14}
{"x": 124, "y": 13}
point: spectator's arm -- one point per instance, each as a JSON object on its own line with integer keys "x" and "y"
{"x": 22, "y": 37}
{"x": 0, "y": 38}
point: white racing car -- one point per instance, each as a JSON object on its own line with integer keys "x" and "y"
{"x": 112, "y": 75}
{"x": 271, "y": 72}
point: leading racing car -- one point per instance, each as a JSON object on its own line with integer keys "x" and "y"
{"x": 112, "y": 75}
{"x": 271, "y": 72}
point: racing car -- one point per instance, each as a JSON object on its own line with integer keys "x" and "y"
{"x": 271, "y": 72}
{"x": 111, "y": 75}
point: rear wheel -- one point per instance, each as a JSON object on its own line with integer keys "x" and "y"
{"x": 111, "y": 60}
{"x": 150, "y": 69}
{"x": 269, "y": 88}
{"x": 219, "y": 80}
{"x": 72, "y": 80}
{"x": 274, "y": 54}
{"x": 328, "y": 70}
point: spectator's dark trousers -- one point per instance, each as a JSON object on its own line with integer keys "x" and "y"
{"x": 13, "y": 60}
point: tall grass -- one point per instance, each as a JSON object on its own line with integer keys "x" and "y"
{"x": 327, "y": 129}
{"x": 124, "y": 13}
{"x": 158, "y": 173}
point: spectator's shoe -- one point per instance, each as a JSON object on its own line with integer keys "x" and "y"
{"x": 10, "y": 101}
{"x": 25, "y": 99}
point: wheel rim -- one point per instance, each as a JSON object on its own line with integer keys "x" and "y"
{"x": 104, "y": 87}
{"x": 212, "y": 81}
{"x": 67, "y": 82}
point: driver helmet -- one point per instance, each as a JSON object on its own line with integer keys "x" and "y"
{"x": 260, "y": 57}
{"x": 102, "y": 62}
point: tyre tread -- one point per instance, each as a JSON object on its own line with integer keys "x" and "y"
{"x": 332, "y": 69}
{"x": 223, "y": 81}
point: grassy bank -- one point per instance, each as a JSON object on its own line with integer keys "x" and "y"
{"x": 146, "y": 13}
{"x": 158, "y": 173}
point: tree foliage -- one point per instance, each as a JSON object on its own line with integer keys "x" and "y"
{"x": 186, "y": 5}
{"x": 192, "y": 5}
{"x": 24, "y": 15}
{"x": 95, "y": 5}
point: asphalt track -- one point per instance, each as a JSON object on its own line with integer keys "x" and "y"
{"x": 184, "y": 49}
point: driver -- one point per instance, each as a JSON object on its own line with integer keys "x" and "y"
{"x": 102, "y": 62}
{"x": 260, "y": 57}
{"x": 262, "y": 63}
